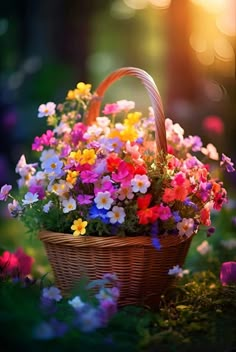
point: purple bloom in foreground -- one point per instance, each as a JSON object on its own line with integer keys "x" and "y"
{"x": 5, "y": 191}
{"x": 227, "y": 163}
{"x": 228, "y": 273}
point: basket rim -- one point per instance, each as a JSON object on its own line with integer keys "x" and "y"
{"x": 59, "y": 238}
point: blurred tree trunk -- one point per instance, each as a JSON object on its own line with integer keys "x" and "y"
{"x": 182, "y": 75}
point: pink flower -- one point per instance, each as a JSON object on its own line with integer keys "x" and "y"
{"x": 228, "y": 273}
{"x": 84, "y": 199}
{"x": 88, "y": 176}
{"x": 164, "y": 212}
{"x": 16, "y": 264}
{"x": 213, "y": 124}
{"x": 111, "y": 109}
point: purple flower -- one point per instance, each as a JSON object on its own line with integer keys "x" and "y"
{"x": 228, "y": 273}
{"x": 37, "y": 189}
{"x": 59, "y": 327}
{"x": 210, "y": 231}
{"x": 4, "y": 192}
{"x": 88, "y": 176}
{"x": 227, "y": 163}
{"x": 176, "y": 216}
{"x": 84, "y": 199}
{"x": 47, "y": 305}
{"x": 156, "y": 243}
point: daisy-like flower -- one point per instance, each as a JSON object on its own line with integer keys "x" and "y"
{"x": 46, "y": 109}
{"x": 186, "y": 227}
{"x": 103, "y": 200}
{"x": 4, "y": 192}
{"x": 140, "y": 183}
{"x": 68, "y": 205}
{"x": 125, "y": 192}
{"x": 116, "y": 215}
{"x": 30, "y": 198}
{"x": 52, "y": 293}
{"x": 53, "y": 165}
{"x": 76, "y": 303}
{"x": 79, "y": 227}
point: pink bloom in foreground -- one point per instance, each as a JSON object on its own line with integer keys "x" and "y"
{"x": 111, "y": 109}
{"x": 228, "y": 273}
{"x": 17, "y": 264}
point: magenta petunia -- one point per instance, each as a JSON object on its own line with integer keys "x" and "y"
{"x": 228, "y": 273}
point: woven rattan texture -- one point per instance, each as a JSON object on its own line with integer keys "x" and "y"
{"x": 141, "y": 269}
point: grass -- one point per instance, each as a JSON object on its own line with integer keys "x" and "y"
{"x": 198, "y": 313}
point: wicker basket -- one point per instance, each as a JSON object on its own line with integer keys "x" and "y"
{"x": 141, "y": 269}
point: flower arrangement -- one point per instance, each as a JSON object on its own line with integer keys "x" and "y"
{"x": 106, "y": 178}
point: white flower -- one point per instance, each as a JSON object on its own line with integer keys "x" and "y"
{"x": 76, "y": 303}
{"x": 125, "y": 105}
{"x": 116, "y": 215}
{"x": 186, "y": 227}
{"x": 52, "y": 293}
{"x": 46, "y": 109}
{"x": 204, "y": 248}
{"x": 177, "y": 271}
{"x": 62, "y": 128}
{"x": 46, "y": 154}
{"x": 103, "y": 121}
{"x": 47, "y": 206}
{"x": 68, "y": 205}
{"x": 210, "y": 151}
{"x": 103, "y": 200}
{"x": 30, "y": 198}
{"x": 140, "y": 183}
{"x": 53, "y": 165}
{"x": 229, "y": 244}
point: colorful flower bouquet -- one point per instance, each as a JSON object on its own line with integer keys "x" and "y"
{"x": 111, "y": 178}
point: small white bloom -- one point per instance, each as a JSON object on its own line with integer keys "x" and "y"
{"x": 103, "y": 121}
{"x": 46, "y": 154}
{"x": 62, "y": 128}
{"x": 30, "y": 198}
{"x": 46, "y": 109}
{"x": 186, "y": 227}
{"x": 52, "y": 293}
{"x": 53, "y": 165}
{"x": 125, "y": 104}
{"x": 76, "y": 303}
{"x": 68, "y": 205}
{"x": 103, "y": 200}
{"x": 140, "y": 183}
{"x": 47, "y": 207}
{"x": 204, "y": 248}
{"x": 177, "y": 271}
{"x": 116, "y": 215}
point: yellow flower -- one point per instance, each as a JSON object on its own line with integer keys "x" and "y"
{"x": 71, "y": 95}
{"x": 79, "y": 227}
{"x": 129, "y": 134}
{"x": 71, "y": 176}
{"x": 75, "y": 156}
{"x": 132, "y": 118}
{"x": 83, "y": 89}
{"x": 88, "y": 157}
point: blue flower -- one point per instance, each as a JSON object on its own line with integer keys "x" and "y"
{"x": 101, "y": 214}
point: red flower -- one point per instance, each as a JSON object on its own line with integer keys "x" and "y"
{"x": 16, "y": 264}
{"x": 113, "y": 162}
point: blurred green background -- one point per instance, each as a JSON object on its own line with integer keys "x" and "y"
{"x": 188, "y": 46}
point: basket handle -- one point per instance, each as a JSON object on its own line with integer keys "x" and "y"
{"x": 153, "y": 93}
